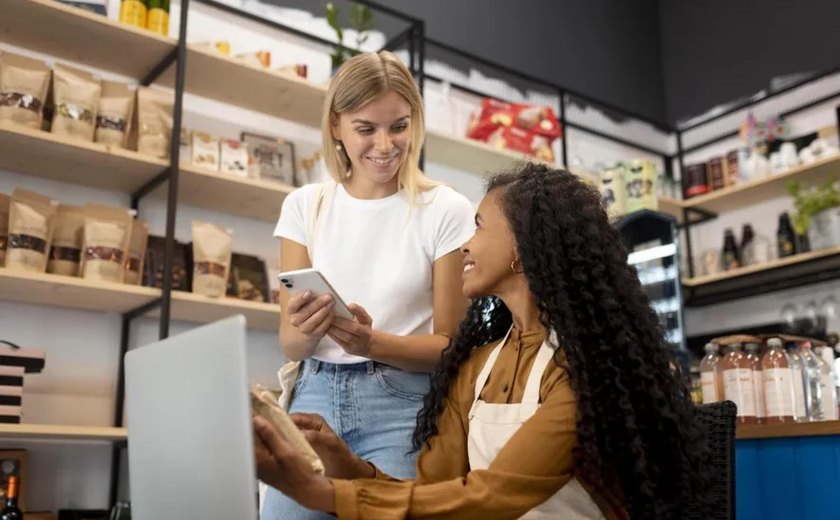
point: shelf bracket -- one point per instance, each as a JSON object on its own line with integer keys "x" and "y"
{"x": 149, "y": 186}
{"x": 161, "y": 67}
{"x": 702, "y": 216}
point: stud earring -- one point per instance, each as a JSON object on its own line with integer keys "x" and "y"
{"x": 513, "y": 268}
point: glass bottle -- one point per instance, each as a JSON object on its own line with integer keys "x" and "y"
{"x": 748, "y": 256}
{"x": 11, "y": 511}
{"x": 778, "y": 383}
{"x": 738, "y": 383}
{"x": 800, "y": 412}
{"x": 813, "y": 382}
{"x": 710, "y": 375}
{"x": 754, "y": 357}
{"x": 785, "y": 237}
{"x": 731, "y": 255}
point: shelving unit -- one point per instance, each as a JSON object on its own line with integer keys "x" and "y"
{"x": 741, "y": 195}
{"x": 52, "y": 432}
{"x": 471, "y": 155}
{"x": 78, "y": 293}
{"x": 773, "y": 431}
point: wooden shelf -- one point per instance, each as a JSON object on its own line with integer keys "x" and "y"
{"x": 759, "y": 190}
{"x": 774, "y": 431}
{"x": 61, "y": 433}
{"x": 230, "y": 194}
{"x": 43, "y": 154}
{"x": 752, "y": 269}
{"x": 216, "y": 76}
{"x": 470, "y": 155}
{"x": 202, "y": 309}
{"x": 73, "y": 34}
{"x": 76, "y": 293}
{"x": 672, "y": 207}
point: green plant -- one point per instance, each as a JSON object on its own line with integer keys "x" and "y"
{"x": 810, "y": 202}
{"x": 361, "y": 20}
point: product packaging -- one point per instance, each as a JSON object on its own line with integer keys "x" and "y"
{"x": 31, "y": 220}
{"x": 211, "y": 255}
{"x": 136, "y": 252}
{"x": 116, "y": 109}
{"x": 204, "y": 150}
{"x": 234, "y": 158}
{"x": 75, "y": 97}
{"x": 106, "y": 237}
{"x": 66, "y": 245}
{"x": 23, "y": 90}
{"x": 153, "y": 264}
{"x": 154, "y": 122}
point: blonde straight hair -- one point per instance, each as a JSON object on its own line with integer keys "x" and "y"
{"x": 360, "y": 80}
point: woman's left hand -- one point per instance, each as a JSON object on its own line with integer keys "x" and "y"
{"x": 280, "y": 466}
{"x": 353, "y": 335}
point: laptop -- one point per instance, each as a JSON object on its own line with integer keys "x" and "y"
{"x": 190, "y": 443}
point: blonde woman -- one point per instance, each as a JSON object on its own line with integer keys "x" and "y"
{"x": 387, "y": 238}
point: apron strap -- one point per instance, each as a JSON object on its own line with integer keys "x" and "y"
{"x": 485, "y": 371}
{"x": 532, "y": 387}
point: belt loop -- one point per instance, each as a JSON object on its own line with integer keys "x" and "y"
{"x": 316, "y": 365}
{"x": 371, "y": 367}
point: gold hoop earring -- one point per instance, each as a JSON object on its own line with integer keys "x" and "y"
{"x": 513, "y": 268}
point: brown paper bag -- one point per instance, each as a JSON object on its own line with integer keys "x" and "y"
{"x": 4, "y": 226}
{"x": 106, "y": 236}
{"x": 116, "y": 108}
{"x": 136, "y": 252}
{"x": 66, "y": 248}
{"x": 75, "y": 96}
{"x": 212, "y": 250}
{"x": 154, "y": 122}
{"x": 23, "y": 90}
{"x": 30, "y": 231}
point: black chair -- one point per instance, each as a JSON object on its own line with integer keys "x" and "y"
{"x": 718, "y": 421}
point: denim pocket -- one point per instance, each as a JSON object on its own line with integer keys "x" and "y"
{"x": 304, "y": 375}
{"x": 399, "y": 383}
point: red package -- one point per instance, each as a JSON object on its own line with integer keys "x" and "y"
{"x": 524, "y": 141}
{"x": 495, "y": 114}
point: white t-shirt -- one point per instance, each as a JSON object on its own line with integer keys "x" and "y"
{"x": 379, "y": 253}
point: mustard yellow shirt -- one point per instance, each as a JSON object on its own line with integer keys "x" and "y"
{"x": 535, "y": 463}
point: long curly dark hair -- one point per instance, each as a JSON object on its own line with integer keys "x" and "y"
{"x": 635, "y": 421}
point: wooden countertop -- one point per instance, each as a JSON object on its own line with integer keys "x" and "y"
{"x": 772, "y": 431}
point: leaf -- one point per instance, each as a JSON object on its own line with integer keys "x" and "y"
{"x": 332, "y": 20}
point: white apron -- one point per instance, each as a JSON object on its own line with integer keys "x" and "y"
{"x": 492, "y": 425}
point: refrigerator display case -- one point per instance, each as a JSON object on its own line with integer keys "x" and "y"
{"x": 653, "y": 247}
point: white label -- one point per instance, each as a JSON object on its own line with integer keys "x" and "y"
{"x": 799, "y": 409}
{"x": 738, "y": 388}
{"x": 708, "y": 383}
{"x": 758, "y": 386}
{"x": 778, "y": 392}
{"x": 829, "y": 398}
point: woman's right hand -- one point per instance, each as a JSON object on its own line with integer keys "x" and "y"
{"x": 339, "y": 461}
{"x": 309, "y": 315}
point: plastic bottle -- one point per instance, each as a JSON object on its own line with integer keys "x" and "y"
{"x": 829, "y": 391}
{"x": 738, "y": 383}
{"x": 800, "y": 412}
{"x": 711, "y": 378}
{"x": 778, "y": 384}
{"x": 813, "y": 382}
{"x": 758, "y": 381}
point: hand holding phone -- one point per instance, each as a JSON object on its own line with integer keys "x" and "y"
{"x": 311, "y": 280}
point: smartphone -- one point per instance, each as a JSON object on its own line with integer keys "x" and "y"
{"x": 312, "y": 280}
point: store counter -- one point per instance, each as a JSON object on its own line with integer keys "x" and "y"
{"x": 788, "y": 471}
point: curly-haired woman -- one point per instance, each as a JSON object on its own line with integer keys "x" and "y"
{"x": 556, "y": 399}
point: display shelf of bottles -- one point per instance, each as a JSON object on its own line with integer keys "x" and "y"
{"x": 782, "y": 273}
{"x": 770, "y": 431}
{"x": 74, "y": 34}
{"x": 752, "y": 192}
{"x": 61, "y": 433}
{"x": 78, "y": 293}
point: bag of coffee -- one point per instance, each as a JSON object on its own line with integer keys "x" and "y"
{"x": 30, "y": 231}
{"x": 136, "y": 252}
{"x": 76, "y": 100}
{"x": 66, "y": 245}
{"x": 116, "y": 107}
{"x": 212, "y": 248}
{"x": 106, "y": 236}
{"x": 153, "y": 265}
{"x": 249, "y": 280}
{"x": 154, "y": 122}
{"x": 23, "y": 90}
{"x": 4, "y": 226}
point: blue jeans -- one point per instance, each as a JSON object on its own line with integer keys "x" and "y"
{"x": 372, "y": 406}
